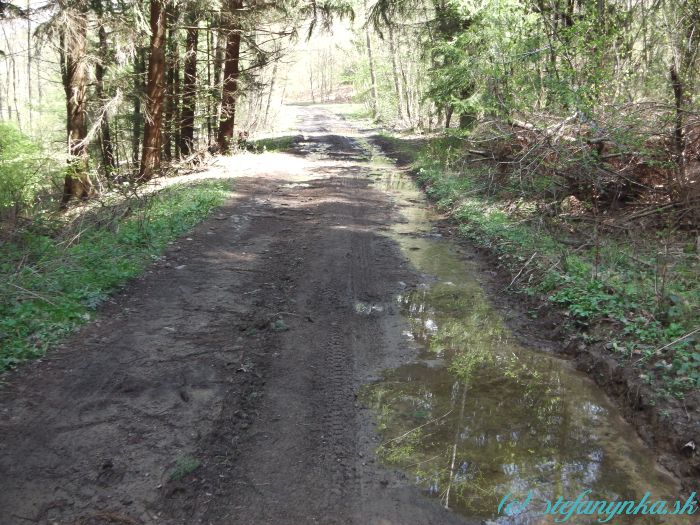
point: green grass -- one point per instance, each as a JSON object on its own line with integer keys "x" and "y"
{"x": 612, "y": 293}
{"x": 351, "y": 111}
{"x": 52, "y": 281}
{"x": 274, "y": 144}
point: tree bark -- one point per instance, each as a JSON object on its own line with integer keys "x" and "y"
{"x": 106, "y": 145}
{"x": 155, "y": 92}
{"x": 231, "y": 76}
{"x": 214, "y": 113}
{"x": 395, "y": 71}
{"x": 679, "y": 96}
{"x": 171, "y": 125}
{"x": 74, "y": 72}
{"x": 189, "y": 92}
{"x": 29, "y": 65}
{"x": 273, "y": 79}
{"x": 467, "y": 119}
{"x": 406, "y": 92}
{"x": 311, "y": 81}
{"x": 372, "y": 76}
{"x": 211, "y": 84}
{"x": 137, "y": 118}
{"x": 13, "y": 70}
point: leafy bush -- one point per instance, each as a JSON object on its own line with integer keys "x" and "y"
{"x": 21, "y": 168}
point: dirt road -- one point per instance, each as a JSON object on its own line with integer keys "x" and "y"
{"x": 221, "y": 387}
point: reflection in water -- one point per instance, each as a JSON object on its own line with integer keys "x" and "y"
{"x": 496, "y": 418}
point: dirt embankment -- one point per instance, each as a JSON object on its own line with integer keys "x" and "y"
{"x": 670, "y": 427}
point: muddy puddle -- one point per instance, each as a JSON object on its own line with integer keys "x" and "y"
{"x": 478, "y": 416}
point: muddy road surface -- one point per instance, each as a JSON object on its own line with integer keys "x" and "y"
{"x": 321, "y": 350}
{"x": 221, "y": 387}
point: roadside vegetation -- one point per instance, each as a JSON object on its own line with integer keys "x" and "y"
{"x": 56, "y": 270}
{"x": 626, "y": 279}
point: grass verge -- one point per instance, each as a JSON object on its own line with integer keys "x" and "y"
{"x": 282, "y": 143}
{"x": 635, "y": 292}
{"x": 53, "y": 277}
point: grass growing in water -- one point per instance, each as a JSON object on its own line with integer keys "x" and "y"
{"x": 51, "y": 283}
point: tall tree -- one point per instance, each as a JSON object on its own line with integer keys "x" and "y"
{"x": 233, "y": 29}
{"x": 216, "y": 44}
{"x": 106, "y": 146}
{"x": 395, "y": 74}
{"x": 137, "y": 116}
{"x": 372, "y": 74}
{"x": 685, "y": 39}
{"x": 189, "y": 92}
{"x": 155, "y": 91}
{"x": 74, "y": 73}
{"x": 171, "y": 125}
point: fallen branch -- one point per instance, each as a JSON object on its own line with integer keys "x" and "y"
{"x": 397, "y": 438}
{"x": 521, "y": 270}
{"x": 677, "y": 340}
{"x": 33, "y": 294}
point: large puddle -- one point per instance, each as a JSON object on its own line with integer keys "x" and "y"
{"x": 478, "y": 416}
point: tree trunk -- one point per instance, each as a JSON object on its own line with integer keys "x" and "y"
{"x": 74, "y": 72}
{"x": 395, "y": 71}
{"x": 155, "y": 92}
{"x": 467, "y": 119}
{"x": 311, "y": 81}
{"x": 29, "y": 65}
{"x": 273, "y": 79}
{"x": 683, "y": 73}
{"x": 137, "y": 119}
{"x": 448, "y": 116}
{"x": 372, "y": 76}
{"x": 106, "y": 145}
{"x": 211, "y": 83}
{"x": 406, "y": 92}
{"x": 189, "y": 92}
{"x": 214, "y": 116}
{"x": 173, "y": 79}
{"x": 231, "y": 75}
{"x": 13, "y": 70}
{"x": 678, "y": 136}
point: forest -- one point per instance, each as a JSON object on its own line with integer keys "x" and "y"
{"x": 600, "y": 84}
{"x": 556, "y": 143}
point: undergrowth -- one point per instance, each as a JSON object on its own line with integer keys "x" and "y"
{"x": 630, "y": 292}
{"x": 54, "y": 276}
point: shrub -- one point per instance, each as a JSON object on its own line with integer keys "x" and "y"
{"x": 21, "y": 169}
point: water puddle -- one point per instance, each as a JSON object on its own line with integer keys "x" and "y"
{"x": 363, "y": 308}
{"x": 478, "y": 416}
